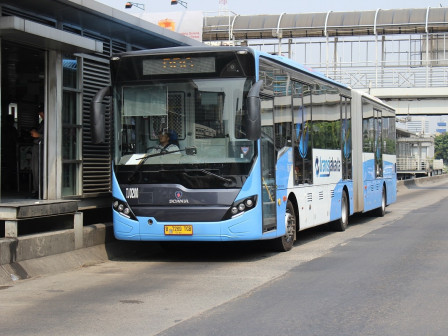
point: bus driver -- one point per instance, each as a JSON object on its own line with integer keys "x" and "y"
{"x": 167, "y": 143}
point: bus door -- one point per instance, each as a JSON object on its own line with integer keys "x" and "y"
{"x": 268, "y": 159}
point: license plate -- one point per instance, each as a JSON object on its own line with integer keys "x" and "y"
{"x": 178, "y": 230}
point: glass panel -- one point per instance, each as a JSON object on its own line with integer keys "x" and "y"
{"x": 69, "y": 172}
{"x": 378, "y": 144}
{"x": 145, "y": 101}
{"x": 70, "y": 72}
{"x": 71, "y": 130}
{"x": 368, "y": 128}
{"x": 69, "y": 105}
{"x": 69, "y": 144}
{"x": 268, "y": 169}
{"x": 206, "y": 114}
{"x": 282, "y": 112}
{"x": 274, "y": 84}
{"x": 326, "y": 114}
{"x": 388, "y": 132}
{"x": 346, "y": 138}
{"x": 209, "y": 121}
{"x": 302, "y": 126}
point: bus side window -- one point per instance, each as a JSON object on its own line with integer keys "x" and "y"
{"x": 302, "y": 133}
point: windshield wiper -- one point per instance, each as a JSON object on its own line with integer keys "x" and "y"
{"x": 188, "y": 151}
{"x": 222, "y": 178}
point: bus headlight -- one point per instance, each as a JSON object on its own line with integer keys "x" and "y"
{"x": 123, "y": 209}
{"x": 241, "y": 206}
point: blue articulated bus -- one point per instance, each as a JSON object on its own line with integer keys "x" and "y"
{"x": 260, "y": 147}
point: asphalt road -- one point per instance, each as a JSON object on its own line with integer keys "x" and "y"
{"x": 383, "y": 276}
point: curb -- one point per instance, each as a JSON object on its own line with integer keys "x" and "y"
{"x": 403, "y": 185}
{"x": 51, "y": 252}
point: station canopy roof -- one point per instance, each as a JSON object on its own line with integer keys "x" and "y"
{"x": 374, "y": 22}
{"x": 51, "y": 23}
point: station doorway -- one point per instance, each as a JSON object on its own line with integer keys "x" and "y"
{"x": 22, "y": 91}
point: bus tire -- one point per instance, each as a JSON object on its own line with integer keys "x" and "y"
{"x": 381, "y": 211}
{"x": 342, "y": 223}
{"x": 286, "y": 242}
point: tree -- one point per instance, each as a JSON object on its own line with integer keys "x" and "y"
{"x": 441, "y": 147}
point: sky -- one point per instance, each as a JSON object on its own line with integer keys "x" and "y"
{"x": 254, "y": 7}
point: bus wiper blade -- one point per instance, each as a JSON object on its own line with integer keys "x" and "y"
{"x": 188, "y": 151}
{"x": 143, "y": 160}
{"x": 216, "y": 175}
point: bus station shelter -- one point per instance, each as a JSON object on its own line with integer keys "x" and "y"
{"x": 55, "y": 54}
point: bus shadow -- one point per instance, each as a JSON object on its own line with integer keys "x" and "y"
{"x": 324, "y": 230}
{"x": 242, "y": 251}
{"x": 186, "y": 251}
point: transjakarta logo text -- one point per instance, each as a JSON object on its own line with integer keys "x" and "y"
{"x": 325, "y": 167}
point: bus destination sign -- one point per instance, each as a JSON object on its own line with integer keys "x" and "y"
{"x": 178, "y": 65}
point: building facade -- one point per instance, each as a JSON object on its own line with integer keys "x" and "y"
{"x": 55, "y": 55}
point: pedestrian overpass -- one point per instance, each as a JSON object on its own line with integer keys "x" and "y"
{"x": 399, "y": 55}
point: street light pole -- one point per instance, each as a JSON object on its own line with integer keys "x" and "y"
{"x": 183, "y": 3}
{"x": 138, "y": 5}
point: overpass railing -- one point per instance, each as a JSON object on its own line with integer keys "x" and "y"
{"x": 387, "y": 76}
{"x": 417, "y": 165}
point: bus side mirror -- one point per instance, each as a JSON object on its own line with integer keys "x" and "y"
{"x": 253, "y": 120}
{"x": 97, "y": 116}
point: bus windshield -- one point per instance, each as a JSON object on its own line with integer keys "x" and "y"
{"x": 203, "y": 120}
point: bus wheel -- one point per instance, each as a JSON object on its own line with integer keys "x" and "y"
{"x": 381, "y": 211}
{"x": 342, "y": 223}
{"x": 286, "y": 242}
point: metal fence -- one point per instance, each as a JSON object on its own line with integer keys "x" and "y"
{"x": 390, "y": 61}
{"x": 417, "y": 165}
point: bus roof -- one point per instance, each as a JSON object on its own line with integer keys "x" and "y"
{"x": 180, "y": 50}
{"x": 190, "y": 49}
{"x": 373, "y": 98}
{"x": 295, "y": 65}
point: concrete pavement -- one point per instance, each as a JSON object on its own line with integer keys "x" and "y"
{"x": 51, "y": 252}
